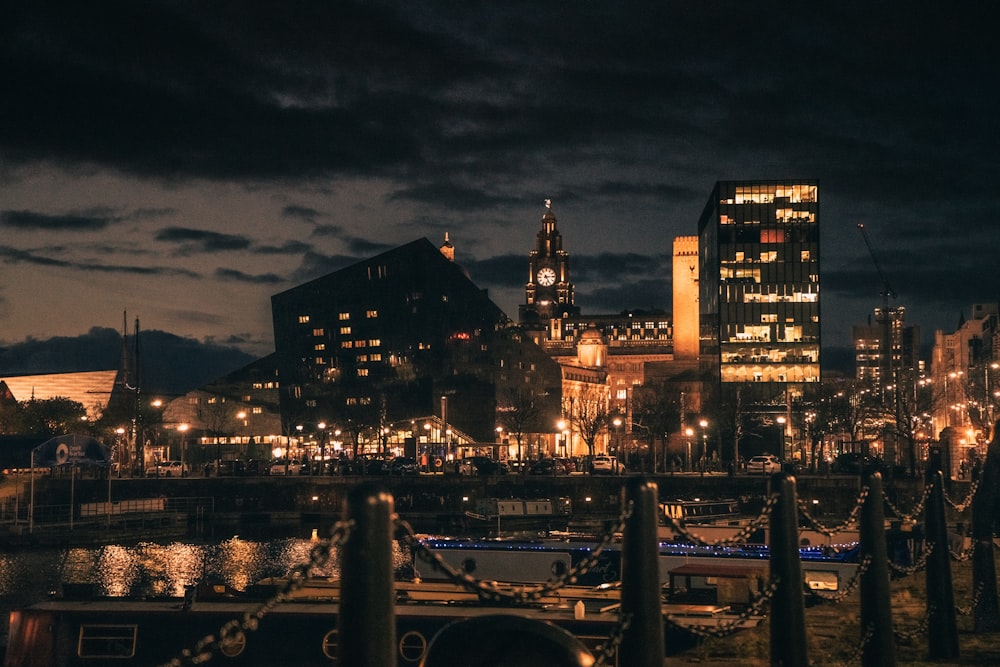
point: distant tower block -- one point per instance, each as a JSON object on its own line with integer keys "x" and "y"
{"x": 685, "y": 283}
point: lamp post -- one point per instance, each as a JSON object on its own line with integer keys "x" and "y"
{"x": 688, "y": 432}
{"x": 781, "y": 422}
{"x": 617, "y": 423}
{"x": 561, "y": 425}
{"x": 704, "y": 443}
{"x": 182, "y": 428}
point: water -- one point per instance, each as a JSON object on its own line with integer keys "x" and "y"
{"x": 152, "y": 570}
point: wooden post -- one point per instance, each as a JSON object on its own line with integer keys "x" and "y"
{"x": 788, "y": 610}
{"x": 876, "y": 611}
{"x": 642, "y": 643}
{"x": 367, "y": 622}
{"x": 942, "y": 630}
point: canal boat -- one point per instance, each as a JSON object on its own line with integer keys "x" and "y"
{"x": 303, "y": 629}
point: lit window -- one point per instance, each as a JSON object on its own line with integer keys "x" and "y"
{"x": 376, "y": 357}
{"x": 344, "y": 316}
{"x": 805, "y": 256}
{"x": 345, "y": 331}
{"x": 319, "y": 346}
{"x": 371, "y": 314}
{"x": 362, "y": 372}
{"x": 346, "y": 344}
{"x": 374, "y": 342}
{"x": 303, "y": 319}
{"x": 769, "y": 256}
{"x": 362, "y": 358}
{"x": 320, "y": 361}
{"x": 319, "y": 332}
{"x": 257, "y": 410}
{"x": 360, "y": 343}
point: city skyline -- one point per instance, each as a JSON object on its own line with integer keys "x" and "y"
{"x": 186, "y": 163}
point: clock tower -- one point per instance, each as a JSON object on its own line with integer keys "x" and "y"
{"x": 548, "y": 294}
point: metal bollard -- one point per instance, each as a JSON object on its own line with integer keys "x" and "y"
{"x": 876, "y": 609}
{"x": 986, "y": 609}
{"x": 942, "y": 630}
{"x": 642, "y": 643}
{"x": 367, "y": 621}
{"x": 788, "y": 610}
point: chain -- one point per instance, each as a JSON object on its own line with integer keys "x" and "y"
{"x": 296, "y": 578}
{"x": 851, "y": 585}
{"x": 860, "y": 648}
{"x": 919, "y": 629}
{"x": 606, "y": 651}
{"x": 963, "y": 555}
{"x": 728, "y": 627}
{"x": 739, "y": 538}
{"x": 966, "y": 611}
{"x": 964, "y": 505}
{"x": 906, "y": 571}
{"x": 850, "y": 521}
{"x": 918, "y": 508}
{"x": 489, "y": 591}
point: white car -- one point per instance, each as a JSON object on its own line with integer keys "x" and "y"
{"x": 763, "y": 464}
{"x": 285, "y": 467}
{"x": 606, "y": 465}
{"x": 171, "y": 469}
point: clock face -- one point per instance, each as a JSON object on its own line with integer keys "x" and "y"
{"x": 546, "y": 276}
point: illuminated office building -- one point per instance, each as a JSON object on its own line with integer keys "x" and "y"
{"x": 759, "y": 282}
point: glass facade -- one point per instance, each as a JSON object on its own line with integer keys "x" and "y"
{"x": 759, "y": 281}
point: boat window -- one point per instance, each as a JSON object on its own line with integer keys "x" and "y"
{"x": 819, "y": 580}
{"x": 107, "y": 641}
{"x": 330, "y": 648}
{"x": 233, "y": 644}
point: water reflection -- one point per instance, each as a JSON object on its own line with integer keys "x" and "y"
{"x": 155, "y": 570}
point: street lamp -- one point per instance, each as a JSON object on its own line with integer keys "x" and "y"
{"x": 781, "y": 422}
{"x": 322, "y": 444}
{"x": 561, "y": 425}
{"x": 704, "y": 443}
{"x": 689, "y": 432}
{"x": 182, "y": 429}
{"x": 617, "y": 423}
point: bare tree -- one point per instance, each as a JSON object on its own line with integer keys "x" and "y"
{"x": 656, "y": 412}
{"x": 589, "y": 415}
{"x": 518, "y": 414}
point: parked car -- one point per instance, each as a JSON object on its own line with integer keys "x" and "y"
{"x": 765, "y": 463}
{"x": 854, "y": 463}
{"x": 480, "y": 465}
{"x": 285, "y": 467}
{"x": 603, "y": 464}
{"x": 568, "y": 464}
{"x": 404, "y": 465}
{"x": 547, "y": 467}
{"x": 375, "y": 465}
{"x": 231, "y": 468}
{"x": 171, "y": 469}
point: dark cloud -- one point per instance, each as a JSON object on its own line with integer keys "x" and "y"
{"x": 201, "y": 240}
{"x": 435, "y": 117}
{"x": 301, "y": 212}
{"x": 327, "y": 230}
{"x": 63, "y": 223}
{"x": 286, "y": 248}
{"x": 240, "y": 276}
{"x": 17, "y": 256}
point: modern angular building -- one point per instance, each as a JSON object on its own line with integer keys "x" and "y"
{"x": 402, "y": 336}
{"x": 759, "y": 282}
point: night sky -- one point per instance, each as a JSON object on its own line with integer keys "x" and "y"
{"x": 184, "y": 161}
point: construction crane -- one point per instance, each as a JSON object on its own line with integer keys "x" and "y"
{"x": 887, "y": 291}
